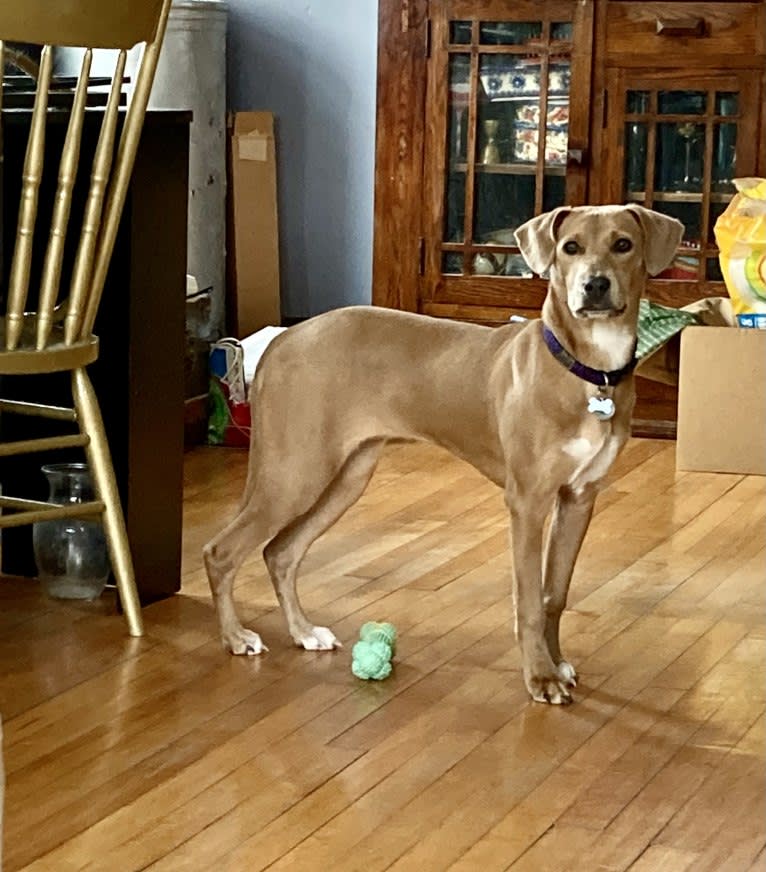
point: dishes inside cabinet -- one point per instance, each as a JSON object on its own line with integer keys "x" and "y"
{"x": 522, "y": 79}
{"x": 526, "y": 132}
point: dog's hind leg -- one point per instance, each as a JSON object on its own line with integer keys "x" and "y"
{"x": 283, "y": 555}
{"x": 223, "y": 557}
{"x": 569, "y": 523}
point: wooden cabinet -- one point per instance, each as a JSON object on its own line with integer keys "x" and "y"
{"x": 491, "y": 112}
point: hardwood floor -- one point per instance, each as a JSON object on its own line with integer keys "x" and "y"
{"x": 164, "y": 753}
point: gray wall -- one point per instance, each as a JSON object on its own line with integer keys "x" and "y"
{"x": 313, "y": 63}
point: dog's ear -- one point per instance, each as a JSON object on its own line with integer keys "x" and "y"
{"x": 662, "y": 236}
{"x": 537, "y": 239}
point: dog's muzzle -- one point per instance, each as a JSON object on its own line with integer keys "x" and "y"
{"x": 597, "y": 299}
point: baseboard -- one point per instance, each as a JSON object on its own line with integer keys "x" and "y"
{"x": 653, "y": 429}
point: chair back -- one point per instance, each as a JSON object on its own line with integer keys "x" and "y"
{"x": 91, "y": 24}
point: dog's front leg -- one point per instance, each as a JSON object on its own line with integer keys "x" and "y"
{"x": 569, "y": 523}
{"x": 540, "y": 673}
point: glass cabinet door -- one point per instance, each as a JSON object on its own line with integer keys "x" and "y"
{"x": 678, "y": 142}
{"x": 500, "y": 137}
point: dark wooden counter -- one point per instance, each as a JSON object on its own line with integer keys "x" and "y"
{"x": 139, "y": 375}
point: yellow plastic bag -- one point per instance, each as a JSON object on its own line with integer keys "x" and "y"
{"x": 741, "y": 236}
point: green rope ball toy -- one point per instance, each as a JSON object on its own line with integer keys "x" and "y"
{"x": 371, "y": 655}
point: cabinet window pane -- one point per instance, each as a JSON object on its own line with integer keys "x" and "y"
{"x": 637, "y": 102}
{"x": 635, "y": 156}
{"x": 460, "y": 32}
{"x": 716, "y": 210}
{"x": 682, "y": 102}
{"x": 454, "y": 207}
{"x": 689, "y": 213}
{"x": 726, "y": 103}
{"x": 487, "y": 263}
{"x": 559, "y": 80}
{"x": 526, "y": 132}
{"x": 713, "y": 270}
{"x": 509, "y": 32}
{"x": 561, "y": 31}
{"x": 459, "y": 98}
{"x": 680, "y": 150}
{"x": 724, "y": 148}
{"x": 508, "y": 77}
{"x": 452, "y": 263}
{"x": 685, "y": 267}
{"x": 554, "y": 192}
{"x": 502, "y": 203}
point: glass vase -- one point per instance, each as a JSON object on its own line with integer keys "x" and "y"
{"x": 71, "y": 553}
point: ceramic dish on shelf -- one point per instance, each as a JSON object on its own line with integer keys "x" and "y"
{"x": 526, "y": 140}
{"x": 522, "y": 79}
{"x": 527, "y": 114}
{"x": 526, "y": 132}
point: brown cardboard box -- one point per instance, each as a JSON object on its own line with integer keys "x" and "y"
{"x": 722, "y": 400}
{"x": 253, "y": 250}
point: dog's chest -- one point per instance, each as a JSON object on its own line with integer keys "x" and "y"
{"x": 592, "y": 454}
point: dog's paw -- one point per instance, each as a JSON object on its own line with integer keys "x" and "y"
{"x": 243, "y": 641}
{"x": 567, "y": 674}
{"x": 318, "y": 639}
{"x": 550, "y": 689}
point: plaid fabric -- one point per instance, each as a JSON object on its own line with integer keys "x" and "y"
{"x": 656, "y": 324}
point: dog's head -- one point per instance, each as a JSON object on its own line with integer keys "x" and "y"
{"x": 598, "y": 257}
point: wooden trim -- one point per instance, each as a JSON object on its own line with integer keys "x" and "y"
{"x": 649, "y": 428}
{"x": 581, "y": 60}
{"x": 473, "y": 121}
{"x": 436, "y": 159}
{"x": 401, "y": 89}
{"x": 502, "y": 10}
{"x": 495, "y": 315}
{"x": 492, "y": 290}
{"x": 677, "y": 293}
{"x": 750, "y": 104}
{"x": 761, "y": 152}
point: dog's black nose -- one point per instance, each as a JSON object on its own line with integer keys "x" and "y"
{"x": 597, "y": 292}
{"x": 596, "y": 288}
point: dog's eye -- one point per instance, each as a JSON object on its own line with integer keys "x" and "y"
{"x": 571, "y": 247}
{"x": 622, "y": 245}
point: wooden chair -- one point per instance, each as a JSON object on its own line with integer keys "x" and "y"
{"x": 58, "y": 335}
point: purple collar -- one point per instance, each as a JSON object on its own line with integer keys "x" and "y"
{"x": 594, "y": 376}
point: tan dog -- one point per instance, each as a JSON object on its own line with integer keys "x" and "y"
{"x": 330, "y": 393}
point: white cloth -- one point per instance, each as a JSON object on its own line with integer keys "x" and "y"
{"x": 254, "y": 346}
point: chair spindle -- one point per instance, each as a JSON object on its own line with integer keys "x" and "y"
{"x": 126, "y": 155}
{"x": 102, "y": 162}
{"x": 70, "y": 156}
{"x": 18, "y": 286}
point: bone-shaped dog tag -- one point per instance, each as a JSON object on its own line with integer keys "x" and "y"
{"x": 602, "y": 407}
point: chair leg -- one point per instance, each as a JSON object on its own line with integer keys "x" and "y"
{"x": 105, "y": 484}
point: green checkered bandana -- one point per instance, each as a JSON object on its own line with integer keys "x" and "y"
{"x": 656, "y": 324}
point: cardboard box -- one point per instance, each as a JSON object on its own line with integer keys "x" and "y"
{"x": 252, "y": 298}
{"x": 722, "y": 400}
